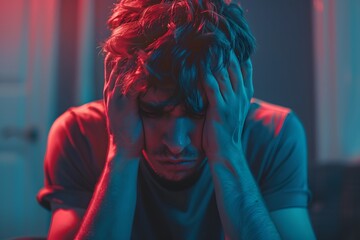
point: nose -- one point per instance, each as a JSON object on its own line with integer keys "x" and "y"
{"x": 176, "y": 137}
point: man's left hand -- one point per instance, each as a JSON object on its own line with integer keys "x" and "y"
{"x": 229, "y": 92}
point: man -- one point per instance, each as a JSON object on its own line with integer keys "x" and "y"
{"x": 178, "y": 149}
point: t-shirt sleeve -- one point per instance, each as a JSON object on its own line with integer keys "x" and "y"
{"x": 69, "y": 177}
{"x": 285, "y": 183}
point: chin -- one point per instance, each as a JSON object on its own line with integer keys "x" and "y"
{"x": 172, "y": 174}
{"x": 176, "y": 177}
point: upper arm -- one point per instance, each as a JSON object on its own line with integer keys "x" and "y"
{"x": 285, "y": 181}
{"x": 65, "y": 222}
{"x": 72, "y": 164}
{"x": 288, "y": 192}
{"x": 293, "y": 223}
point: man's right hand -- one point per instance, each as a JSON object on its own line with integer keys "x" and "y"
{"x": 123, "y": 120}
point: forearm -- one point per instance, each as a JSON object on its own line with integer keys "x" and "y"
{"x": 242, "y": 211}
{"x": 111, "y": 212}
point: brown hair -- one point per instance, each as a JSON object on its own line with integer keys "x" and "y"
{"x": 160, "y": 42}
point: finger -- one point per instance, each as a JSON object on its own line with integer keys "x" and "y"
{"x": 111, "y": 89}
{"x": 118, "y": 109}
{"x": 223, "y": 79}
{"x": 112, "y": 76}
{"x": 247, "y": 71}
{"x": 112, "y": 81}
{"x": 212, "y": 90}
{"x": 109, "y": 68}
{"x": 235, "y": 74}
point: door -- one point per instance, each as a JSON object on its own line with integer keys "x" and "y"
{"x": 27, "y": 62}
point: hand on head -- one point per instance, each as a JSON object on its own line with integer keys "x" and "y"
{"x": 229, "y": 92}
{"x": 123, "y": 120}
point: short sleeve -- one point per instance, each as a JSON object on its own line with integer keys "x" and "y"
{"x": 285, "y": 183}
{"x": 70, "y": 174}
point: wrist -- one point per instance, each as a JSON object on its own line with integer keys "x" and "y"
{"x": 231, "y": 152}
{"x": 120, "y": 152}
{"x": 118, "y": 160}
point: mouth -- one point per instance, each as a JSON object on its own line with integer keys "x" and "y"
{"x": 177, "y": 162}
{"x": 178, "y": 165}
{"x": 172, "y": 161}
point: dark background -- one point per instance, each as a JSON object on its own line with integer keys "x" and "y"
{"x": 283, "y": 63}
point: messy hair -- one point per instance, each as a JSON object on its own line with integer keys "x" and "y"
{"x": 156, "y": 43}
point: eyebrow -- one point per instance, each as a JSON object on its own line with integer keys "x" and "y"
{"x": 157, "y": 106}
{"x": 168, "y": 105}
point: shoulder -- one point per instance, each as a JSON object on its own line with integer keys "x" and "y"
{"x": 91, "y": 113}
{"x": 271, "y": 120}
{"x": 91, "y": 110}
{"x": 267, "y": 116}
{"x": 80, "y": 119}
{"x": 78, "y": 138}
{"x": 271, "y": 130}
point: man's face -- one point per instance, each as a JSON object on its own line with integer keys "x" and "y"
{"x": 173, "y": 136}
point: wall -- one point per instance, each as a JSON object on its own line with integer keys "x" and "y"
{"x": 283, "y": 63}
{"x": 82, "y": 29}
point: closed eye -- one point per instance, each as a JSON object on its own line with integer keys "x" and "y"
{"x": 154, "y": 110}
{"x": 151, "y": 114}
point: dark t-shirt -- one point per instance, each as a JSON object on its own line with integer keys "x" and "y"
{"x": 275, "y": 148}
